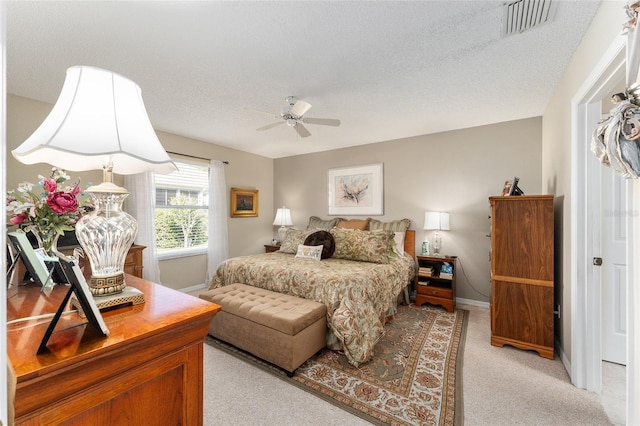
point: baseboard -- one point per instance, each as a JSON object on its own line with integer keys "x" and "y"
{"x": 472, "y": 302}
{"x": 563, "y": 358}
{"x": 193, "y": 288}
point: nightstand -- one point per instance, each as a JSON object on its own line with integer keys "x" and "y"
{"x": 436, "y": 281}
{"x": 268, "y": 248}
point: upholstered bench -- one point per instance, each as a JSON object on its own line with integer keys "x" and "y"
{"x": 284, "y": 330}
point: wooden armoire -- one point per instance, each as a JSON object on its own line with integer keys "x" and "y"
{"x": 522, "y": 275}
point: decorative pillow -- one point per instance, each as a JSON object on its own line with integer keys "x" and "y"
{"x": 398, "y": 246}
{"x": 395, "y": 226}
{"x": 323, "y": 238}
{"x": 293, "y": 238}
{"x": 309, "y": 252}
{"x": 396, "y": 249}
{"x": 316, "y": 223}
{"x": 365, "y": 246}
{"x": 361, "y": 224}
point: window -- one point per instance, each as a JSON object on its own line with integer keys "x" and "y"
{"x": 181, "y": 212}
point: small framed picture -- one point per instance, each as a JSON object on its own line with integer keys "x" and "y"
{"x": 506, "y": 189}
{"x": 33, "y": 261}
{"x": 244, "y": 202}
{"x": 79, "y": 287}
{"x": 514, "y": 190}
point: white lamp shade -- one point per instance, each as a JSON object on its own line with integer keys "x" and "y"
{"x": 283, "y": 217}
{"x": 98, "y": 119}
{"x": 438, "y": 221}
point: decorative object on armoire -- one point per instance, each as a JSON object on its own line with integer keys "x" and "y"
{"x": 99, "y": 122}
{"x": 283, "y": 218}
{"x": 436, "y": 221}
{"x": 616, "y": 140}
{"x": 47, "y": 209}
{"x": 514, "y": 189}
{"x": 522, "y": 273}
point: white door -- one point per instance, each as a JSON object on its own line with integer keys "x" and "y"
{"x": 614, "y": 268}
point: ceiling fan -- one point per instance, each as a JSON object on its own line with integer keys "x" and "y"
{"x": 293, "y": 116}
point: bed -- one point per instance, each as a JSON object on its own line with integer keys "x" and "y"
{"x": 360, "y": 295}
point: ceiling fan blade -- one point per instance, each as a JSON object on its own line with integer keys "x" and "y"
{"x": 269, "y": 126}
{"x": 323, "y": 121}
{"x": 302, "y": 131}
{"x": 262, "y": 112}
{"x": 300, "y": 108}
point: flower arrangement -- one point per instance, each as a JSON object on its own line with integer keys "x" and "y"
{"x": 47, "y": 208}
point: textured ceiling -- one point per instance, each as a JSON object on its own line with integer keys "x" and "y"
{"x": 387, "y": 70}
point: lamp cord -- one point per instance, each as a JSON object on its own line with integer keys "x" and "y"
{"x": 469, "y": 281}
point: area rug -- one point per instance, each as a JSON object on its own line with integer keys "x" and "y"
{"x": 414, "y": 378}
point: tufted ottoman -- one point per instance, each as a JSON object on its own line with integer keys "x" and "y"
{"x": 284, "y": 330}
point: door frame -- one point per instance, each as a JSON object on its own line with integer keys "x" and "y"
{"x": 586, "y": 353}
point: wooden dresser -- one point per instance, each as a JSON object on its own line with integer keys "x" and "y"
{"x": 147, "y": 371}
{"x": 522, "y": 272}
{"x": 133, "y": 264}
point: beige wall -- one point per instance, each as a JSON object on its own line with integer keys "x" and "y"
{"x": 246, "y": 235}
{"x": 556, "y": 148}
{"x": 452, "y": 171}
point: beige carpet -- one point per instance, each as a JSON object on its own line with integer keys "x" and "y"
{"x": 412, "y": 378}
{"x": 502, "y": 386}
{"x": 508, "y": 386}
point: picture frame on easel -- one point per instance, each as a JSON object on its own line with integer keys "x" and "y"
{"x": 34, "y": 262}
{"x": 79, "y": 287}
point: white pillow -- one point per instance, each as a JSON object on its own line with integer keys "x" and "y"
{"x": 399, "y": 243}
{"x": 309, "y": 252}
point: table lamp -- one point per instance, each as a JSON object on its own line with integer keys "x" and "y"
{"x": 283, "y": 218}
{"x": 436, "y": 221}
{"x": 99, "y": 122}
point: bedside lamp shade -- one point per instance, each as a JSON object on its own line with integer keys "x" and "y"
{"x": 99, "y": 122}
{"x": 283, "y": 218}
{"x": 436, "y": 221}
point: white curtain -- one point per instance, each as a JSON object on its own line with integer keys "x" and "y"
{"x": 218, "y": 249}
{"x": 141, "y": 205}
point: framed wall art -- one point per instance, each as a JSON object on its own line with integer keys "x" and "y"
{"x": 244, "y": 202}
{"x": 356, "y": 190}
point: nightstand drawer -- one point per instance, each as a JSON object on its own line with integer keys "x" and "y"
{"x": 435, "y": 291}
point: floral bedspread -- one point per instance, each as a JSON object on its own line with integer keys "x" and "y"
{"x": 358, "y": 295}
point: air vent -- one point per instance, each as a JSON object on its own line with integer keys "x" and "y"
{"x": 522, "y": 15}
